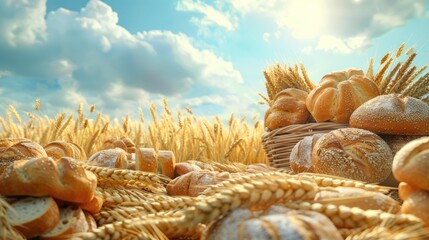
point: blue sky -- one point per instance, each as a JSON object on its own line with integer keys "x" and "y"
{"x": 207, "y": 55}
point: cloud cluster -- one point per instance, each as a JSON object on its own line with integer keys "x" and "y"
{"x": 86, "y": 56}
{"x": 340, "y": 26}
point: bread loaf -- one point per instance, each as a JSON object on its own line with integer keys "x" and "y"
{"x": 64, "y": 180}
{"x": 146, "y": 160}
{"x": 288, "y": 107}
{"x": 417, "y": 203}
{"x": 33, "y": 216}
{"x": 356, "y": 197}
{"x": 194, "y": 183}
{"x": 59, "y": 149}
{"x": 167, "y": 161}
{"x": 393, "y": 114}
{"x": 339, "y": 94}
{"x": 72, "y": 220}
{"x": 301, "y": 154}
{"x": 405, "y": 189}
{"x": 411, "y": 164}
{"x": 94, "y": 205}
{"x": 184, "y": 168}
{"x": 124, "y": 143}
{"x": 353, "y": 153}
{"x": 273, "y": 223}
{"x": 111, "y": 158}
{"x": 13, "y": 149}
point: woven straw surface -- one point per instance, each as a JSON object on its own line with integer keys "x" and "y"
{"x": 279, "y": 143}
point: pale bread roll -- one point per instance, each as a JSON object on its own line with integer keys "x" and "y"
{"x": 72, "y": 220}
{"x": 274, "y": 223}
{"x": 146, "y": 160}
{"x": 111, "y": 158}
{"x": 339, "y": 94}
{"x": 14, "y": 149}
{"x": 167, "y": 160}
{"x": 64, "y": 179}
{"x": 288, "y": 107}
{"x": 301, "y": 154}
{"x": 353, "y": 153}
{"x": 356, "y": 197}
{"x": 393, "y": 114}
{"x": 411, "y": 164}
{"x": 33, "y": 216}
{"x": 417, "y": 203}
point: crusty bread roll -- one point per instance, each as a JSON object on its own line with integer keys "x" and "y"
{"x": 33, "y": 216}
{"x": 195, "y": 182}
{"x": 64, "y": 180}
{"x": 393, "y": 114}
{"x": 405, "y": 189}
{"x": 183, "y": 168}
{"x": 353, "y": 153}
{"x": 146, "y": 160}
{"x": 274, "y": 223}
{"x": 72, "y": 220}
{"x": 13, "y": 149}
{"x": 288, "y": 108}
{"x": 301, "y": 154}
{"x": 417, "y": 203}
{"x": 111, "y": 158}
{"x": 411, "y": 164}
{"x": 59, "y": 149}
{"x": 339, "y": 94}
{"x": 124, "y": 143}
{"x": 167, "y": 162}
{"x": 356, "y": 197}
{"x": 131, "y": 147}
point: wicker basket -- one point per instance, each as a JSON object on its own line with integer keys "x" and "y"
{"x": 279, "y": 143}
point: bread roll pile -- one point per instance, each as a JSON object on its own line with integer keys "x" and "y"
{"x": 411, "y": 168}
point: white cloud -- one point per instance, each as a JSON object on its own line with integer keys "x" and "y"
{"x": 86, "y": 56}
{"x": 199, "y": 101}
{"x": 307, "y": 50}
{"x": 266, "y": 37}
{"x": 211, "y": 16}
{"x": 343, "y": 46}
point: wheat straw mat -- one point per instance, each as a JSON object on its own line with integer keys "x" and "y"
{"x": 279, "y": 142}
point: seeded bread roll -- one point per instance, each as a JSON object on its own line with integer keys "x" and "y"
{"x": 13, "y": 149}
{"x": 417, "y": 203}
{"x": 356, "y": 197}
{"x": 33, "y": 216}
{"x": 339, "y": 94}
{"x": 274, "y": 223}
{"x": 111, "y": 158}
{"x": 353, "y": 153}
{"x": 411, "y": 164}
{"x": 301, "y": 154}
{"x": 63, "y": 179}
{"x": 288, "y": 108}
{"x": 393, "y": 114}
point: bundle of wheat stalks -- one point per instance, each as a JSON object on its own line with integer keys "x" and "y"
{"x": 392, "y": 76}
{"x": 188, "y": 136}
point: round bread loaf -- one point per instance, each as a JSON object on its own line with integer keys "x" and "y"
{"x": 356, "y": 197}
{"x": 411, "y": 163}
{"x": 339, "y": 94}
{"x": 417, "y": 203}
{"x": 13, "y": 149}
{"x": 301, "y": 154}
{"x": 288, "y": 108}
{"x": 111, "y": 158}
{"x": 274, "y": 223}
{"x": 353, "y": 153}
{"x": 393, "y": 114}
{"x": 59, "y": 149}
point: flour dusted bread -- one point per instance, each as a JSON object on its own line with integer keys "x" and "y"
{"x": 411, "y": 163}
{"x": 72, "y": 220}
{"x": 13, "y": 149}
{"x": 64, "y": 180}
{"x": 339, "y": 94}
{"x": 146, "y": 160}
{"x": 301, "y": 154}
{"x": 111, "y": 158}
{"x": 393, "y": 114}
{"x": 288, "y": 108}
{"x": 33, "y": 216}
{"x": 274, "y": 223}
{"x": 353, "y": 153}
